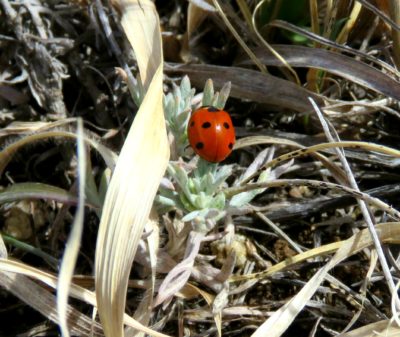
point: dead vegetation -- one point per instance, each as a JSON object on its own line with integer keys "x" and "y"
{"x": 295, "y": 233}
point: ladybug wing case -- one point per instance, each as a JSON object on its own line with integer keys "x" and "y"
{"x": 211, "y": 134}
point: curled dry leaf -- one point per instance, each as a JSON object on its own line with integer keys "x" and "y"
{"x": 140, "y": 167}
{"x": 179, "y": 275}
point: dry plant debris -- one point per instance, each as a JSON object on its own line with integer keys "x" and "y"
{"x": 111, "y": 226}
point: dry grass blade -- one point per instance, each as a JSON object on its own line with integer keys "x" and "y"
{"x": 381, "y": 328}
{"x": 315, "y": 252}
{"x": 250, "y": 84}
{"x": 256, "y": 140}
{"x": 269, "y": 47}
{"x": 23, "y": 191}
{"x": 243, "y": 44}
{"x": 343, "y": 35}
{"x": 45, "y": 302}
{"x": 74, "y": 240}
{"x": 365, "y": 210}
{"x": 395, "y": 15}
{"x": 139, "y": 169}
{"x": 23, "y": 127}
{"x": 319, "y": 185}
{"x": 282, "y": 318}
{"x": 324, "y": 146}
{"x": 87, "y": 296}
{"x": 7, "y": 153}
{"x": 245, "y": 10}
{"x": 367, "y": 280}
{"x": 3, "y": 248}
{"x": 197, "y": 13}
{"x": 326, "y": 42}
{"x": 52, "y": 262}
{"x": 129, "y": 198}
{"x": 335, "y": 63}
{"x": 382, "y": 15}
{"x": 314, "y": 16}
{"x": 143, "y": 311}
{"x": 142, "y": 27}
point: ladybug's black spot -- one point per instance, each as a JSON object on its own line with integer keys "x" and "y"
{"x": 230, "y": 146}
{"x": 199, "y": 145}
{"x": 192, "y": 124}
{"x": 212, "y": 109}
{"x": 206, "y": 125}
{"x": 226, "y": 125}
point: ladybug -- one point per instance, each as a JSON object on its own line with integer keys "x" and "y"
{"x": 211, "y": 133}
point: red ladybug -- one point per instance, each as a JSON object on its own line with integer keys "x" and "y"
{"x": 211, "y": 133}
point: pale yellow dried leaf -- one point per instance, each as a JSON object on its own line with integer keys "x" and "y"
{"x": 197, "y": 12}
{"x": 384, "y": 328}
{"x": 74, "y": 240}
{"x": 129, "y": 198}
{"x": 142, "y": 28}
{"x": 3, "y": 248}
{"x": 76, "y": 291}
{"x": 18, "y": 127}
{"x": 138, "y": 172}
{"x": 21, "y": 127}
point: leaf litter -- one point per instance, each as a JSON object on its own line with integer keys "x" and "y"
{"x": 274, "y": 241}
